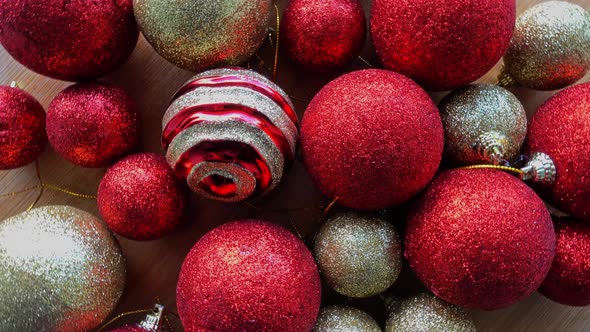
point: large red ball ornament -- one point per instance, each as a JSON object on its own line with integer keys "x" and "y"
{"x": 323, "y": 36}
{"x": 69, "y": 40}
{"x": 92, "y": 124}
{"x": 480, "y": 239}
{"x": 443, "y": 45}
{"x": 249, "y": 276}
{"x": 371, "y": 139}
{"x": 22, "y": 128}
{"x": 140, "y": 197}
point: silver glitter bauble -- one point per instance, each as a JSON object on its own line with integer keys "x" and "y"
{"x": 61, "y": 269}
{"x": 426, "y": 313}
{"x": 200, "y": 34}
{"x": 338, "y": 318}
{"x": 358, "y": 254}
{"x": 230, "y": 133}
{"x": 482, "y": 123}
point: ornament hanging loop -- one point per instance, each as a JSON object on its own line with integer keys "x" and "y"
{"x": 540, "y": 168}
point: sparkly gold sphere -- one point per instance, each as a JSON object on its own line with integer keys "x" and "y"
{"x": 483, "y": 124}
{"x": 550, "y": 48}
{"x": 201, "y": 34}
{"x": 358, "y": 254}
{"x": 61, "y": 269}
{"x": 344, "y": 318}
{"x": 425, "y": 312}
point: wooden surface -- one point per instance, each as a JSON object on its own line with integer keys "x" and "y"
{"x": 153, "y": 266}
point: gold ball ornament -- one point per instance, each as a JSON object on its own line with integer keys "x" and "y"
{"x": 201, "y": 34}
{"x": 344, "y": 318}
{"x": 61, "y": 270}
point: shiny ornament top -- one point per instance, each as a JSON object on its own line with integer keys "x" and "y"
{"x": 230, "y": 133}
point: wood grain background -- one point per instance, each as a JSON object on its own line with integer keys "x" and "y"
{"x": 153, "y": 266}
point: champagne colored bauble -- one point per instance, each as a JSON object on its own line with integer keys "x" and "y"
{"x": 344, "y": 318}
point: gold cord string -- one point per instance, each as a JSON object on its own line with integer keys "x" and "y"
{"x": 125, "y": 314}
{"x": 365, "y": 61}
{"x": 498, "y": 167}
{"x": 276, "y": 46}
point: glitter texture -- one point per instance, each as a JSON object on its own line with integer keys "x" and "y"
{"x": 372, "y": 139}
{"x": 323, "y": 36}
{"x": 550, "y": 48}
{"x": 62, "y": 270}
{"x": 92, "y": 124}
{"x": 473, "y": 111}
{"x": 568, "y": 281}
{"x": 425, "y": 312}
{"x": 345, "y": 318}
{"x": 22, "y": 128}
{"x": 480, "y": 238}
{"x": 141, "y": 198}
{"x": 561, "y": 129}
{"x": 444, "y": 45}
{"x": 249, "y": 276}
{"x": 200, "y": 34}
{"x": 359, "y": 255}
{"x": 131, "y": 328}
{"x": 70, "y": 40}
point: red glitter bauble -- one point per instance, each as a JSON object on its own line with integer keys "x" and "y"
{"x": 444, "y": 45}
{"x": 92, "y": 124}
{"x": 561, "y": 129}
{"x": 371, "y": 139}
{"x": 480, "y": 238}
{"x": 568, "y": 281}
{"x": 323, "y": 36}
{"x": 69, "y": 40}
{"x": 249, "y": 276}
{"x": 22, "y": 128}
{"x": 140, "y": 197}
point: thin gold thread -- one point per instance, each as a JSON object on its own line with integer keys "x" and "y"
{"x": 277, "y": 39}
{"x": 330, "y": 206}
{"x": 498, "y": 167}
{"x": 365, "y": 61}
{"x": 125, "y": 314}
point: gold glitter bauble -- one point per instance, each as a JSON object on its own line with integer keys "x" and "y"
{"x": 550, "y": 48}
{"x": 201, "y": 34}
{"x": 482, "y": 123}
{"x": 61, "y": 270}
{"x": 425, "y": 312}
{"x": 344, "y": 318}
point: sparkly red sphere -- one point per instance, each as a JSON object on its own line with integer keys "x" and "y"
{"x": 249, "y": 276}
{"x": 141, "y": 198}
{"x": 323, "y": 36}
{"x": 568, "y": 281}
{"x": 371, "y": 139}
{"x": 561, "y": 129}
{"x": 92, "y": 124}
{"x": 443, "y": 45}
{"x": 69, "y": 40}
{"x": 480, "y": 239}
{"x": 22, "y": 128}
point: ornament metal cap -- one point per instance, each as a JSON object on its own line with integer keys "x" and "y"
{"x": 491, "y": 146}
{"x": 540, "y": 168}
{"x": 153, "y": 321}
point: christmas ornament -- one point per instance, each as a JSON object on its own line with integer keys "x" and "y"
{"x": 62, "y": 270}
{"x": 230, "y": 133}
{"x": 61, "y": 39}
{"x": 151, "y": 323}
{"x": 92, "y": 124}
{"x": 482, "y": 123}
{"x": 442, "y": 46}
{"x": 249, "y": 276}
{"x": 22, "y": 128}
{"x": 425, "y": 312}
{"x": 345, "y": 318}
{"x": 568, "y": 281}
{"x": 323, "y": 36}
{"x": 371, "y": 139}
{"x": 201, "y": 34}
{"x": 359, "y": 255}
{"x": 480, "y": 238}
{"x": 140, "y": 197}
{"x": 550, "y": 48}
{"x": 558, "y": 135}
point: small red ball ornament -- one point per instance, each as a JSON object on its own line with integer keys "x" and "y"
{"x": 323, "y": 36}
{"x": 69, "y": 40}
{"x": 444, "y": 45}
{"x": 140, "y": 197}
{"x": 480, "y": 239}
{"x": 92, "y": 124}
{"x": 22, "y": 128}
{"x": 372, "y": 139}
{"x": 249, "y": 276}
